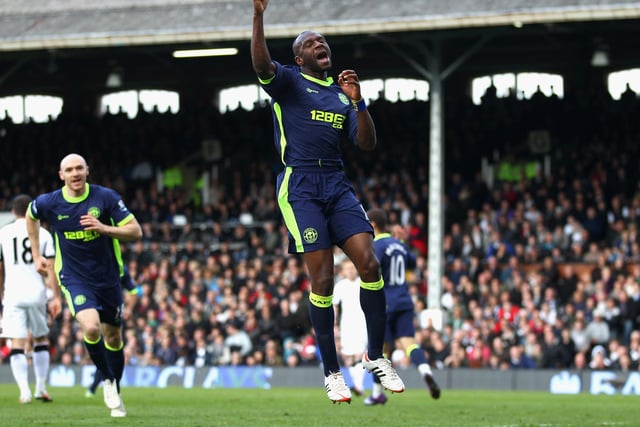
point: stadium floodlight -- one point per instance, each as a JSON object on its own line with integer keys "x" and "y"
{"x": 199, "y": 53}
{"x": 600, "y": 58}
{"x": 114, "y": 79}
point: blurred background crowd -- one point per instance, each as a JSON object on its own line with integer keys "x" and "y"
{"x": 542, "y": 255}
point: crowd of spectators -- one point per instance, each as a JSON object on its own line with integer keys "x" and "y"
{"x": 217, "y": 287}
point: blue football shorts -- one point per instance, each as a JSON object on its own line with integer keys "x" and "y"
{"x": 108, "y": 301}
{"x": 399, "y": 324}
{"x": 319, "y": 207}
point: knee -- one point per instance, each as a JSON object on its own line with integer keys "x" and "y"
{"x": 370, "y": 269}
{"x": 91, "y": 331}
{"x": 322, "y": 284}
{"x": 113, "y": 339}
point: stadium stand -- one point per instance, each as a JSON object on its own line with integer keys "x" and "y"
{"x": 545, "y": 265}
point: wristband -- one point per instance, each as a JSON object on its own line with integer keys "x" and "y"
{"x": 359, "y": 105}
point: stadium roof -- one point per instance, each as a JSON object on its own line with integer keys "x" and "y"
{"x": 71, "y": 46}
{"x": 48, "y": 24}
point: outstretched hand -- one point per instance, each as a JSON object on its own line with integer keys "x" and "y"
{"x": 259, "y": 6}
{"x": 348, "y": 81}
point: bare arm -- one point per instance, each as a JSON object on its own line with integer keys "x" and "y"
{"x": 129, "y": 232}
{"x": 260, "y": 56}
{"x": 367, "y": 138}
{"x": 33, "y": 230}
{"x": 350, "y": 84}
{"x": 51, "y": 281}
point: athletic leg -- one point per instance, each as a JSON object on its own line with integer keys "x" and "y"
{"x": 41, "y": 363}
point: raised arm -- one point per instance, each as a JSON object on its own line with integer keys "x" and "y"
{"x": 350, "y": 84}
{"x": 260, "y": 57}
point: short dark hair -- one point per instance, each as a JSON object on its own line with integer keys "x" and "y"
{"x": 379, "y": 216}
{"x": 20, "y": 204}
{"x": 297, "y": 43}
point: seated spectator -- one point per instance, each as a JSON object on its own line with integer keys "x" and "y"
{"x": 597, "y": 331}
{"x": 237, "y": 340}
{"x": 518, "y": 359}
{"x": 599, "y": 360}
{"x": 579, "y": 336}
{"x": 165, "y": 353}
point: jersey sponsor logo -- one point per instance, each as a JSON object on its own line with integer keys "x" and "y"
{"x": 94, "y": 212}
{"x": 343, "y": 98}
{"x": 60, "y": 217}
{"x": 335, "y": 119}
{"x": 84, "y": 235}
{"x": 79, "y": 299}
{"x": 309, "y": 90}
{"x": 310, "y": 235}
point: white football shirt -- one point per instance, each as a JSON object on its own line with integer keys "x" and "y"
{"x": 23, "y": 285}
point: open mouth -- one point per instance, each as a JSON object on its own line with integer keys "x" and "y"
{"x": 322, "y": 55}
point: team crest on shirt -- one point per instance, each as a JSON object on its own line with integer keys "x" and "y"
{"x": 94, "y": 212}
{"x": 344, "y": 99}
{"x": 310, "y": 235}
{"x": 79, "y": 299}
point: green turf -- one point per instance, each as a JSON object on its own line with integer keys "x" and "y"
{"x": 310, "y": 407}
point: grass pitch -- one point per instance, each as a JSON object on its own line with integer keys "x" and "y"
{"x": 309, "y": 407}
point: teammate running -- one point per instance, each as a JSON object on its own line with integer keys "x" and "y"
{"x": 88, "y": 222}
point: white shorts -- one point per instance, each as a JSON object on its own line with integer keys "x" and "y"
{"x": 17, "y": 321}
{"x": 353, "y": 342}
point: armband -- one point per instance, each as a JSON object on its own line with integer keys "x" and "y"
{"x": 359, "y": 105}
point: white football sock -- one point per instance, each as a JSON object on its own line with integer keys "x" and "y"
{"x": 41, "y": 361}
{"x": 357, "y": 375}
{"x": 377, "y": 390}
{"x": 425, "y": 369}
{"x": 20, "y": 370}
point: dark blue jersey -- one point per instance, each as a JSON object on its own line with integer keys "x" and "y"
{"x": 84, "y": 258}
{"x": 310, "y": 116}
{"x": 394, "y": 259}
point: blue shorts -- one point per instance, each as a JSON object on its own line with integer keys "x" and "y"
{"x": 399, "y": 324}
{"x": 108, "y": 301}
{"x": 319, "y": 207}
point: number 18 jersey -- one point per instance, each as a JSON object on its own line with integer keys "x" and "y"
{"x": 23, "y": 285}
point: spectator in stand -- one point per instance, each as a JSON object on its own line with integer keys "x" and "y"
{"x": 417, "y": 237}
{"x": 272, "y": 354}
{"x": 237, "y": 340}
{"x": 597, "y": 331}
{"x": 577, "y": 183}
{"x": 166, "y": 352}
{"x": 518, "y": 359}
{"x": 552, "y": 352}
{"x": 599, "y": 360}
{"x": 507, "y": 312}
